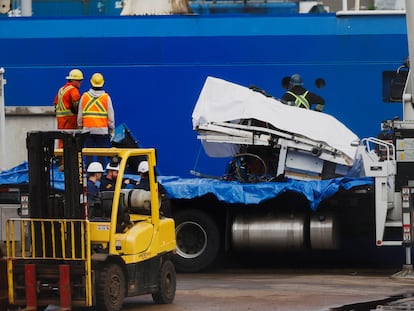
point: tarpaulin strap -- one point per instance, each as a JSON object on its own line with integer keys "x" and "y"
{"x": 197, "y": 158}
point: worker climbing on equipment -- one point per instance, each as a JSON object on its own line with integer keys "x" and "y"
{"x": 95, "y": 172}
{"x": 298, "y": 96}
{"x": 96, "y": 116}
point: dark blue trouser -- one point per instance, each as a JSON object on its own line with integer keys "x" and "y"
{"x": 97, "y": 141}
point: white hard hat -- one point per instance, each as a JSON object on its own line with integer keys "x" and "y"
{"x": 95, "y": 167}
{"x": 143, "y": 167}
{"x": 114, "y": 168}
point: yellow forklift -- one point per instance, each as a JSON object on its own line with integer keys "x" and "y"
{"x": 72, "y": 253}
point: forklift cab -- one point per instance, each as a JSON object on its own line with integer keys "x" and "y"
{"x": 65, "y": 191}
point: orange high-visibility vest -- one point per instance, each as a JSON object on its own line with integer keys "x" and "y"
{"x": 95, "y": 111}
{"x": 64, "y": 101}
{"x": 66, "y": 106}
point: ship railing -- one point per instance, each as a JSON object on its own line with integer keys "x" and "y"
{"x": 357, "y": 9}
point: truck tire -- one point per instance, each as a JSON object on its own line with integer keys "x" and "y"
{"x": 198, "y": 240}
{"x": 110, "y": 288}
{"x": 167, "y": 284}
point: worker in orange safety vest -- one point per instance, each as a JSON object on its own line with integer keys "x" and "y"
{"x": 66, "y": 102}
{"x": 96, "y": 116}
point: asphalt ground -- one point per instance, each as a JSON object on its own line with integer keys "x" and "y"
{"x": 361, "y": 281}
{"x": 330, "y": 281}
{"x": 300, "y": 290}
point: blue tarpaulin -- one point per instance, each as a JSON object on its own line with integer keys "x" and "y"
{"x": 16, "y": 175}
{"x": 20, "y": 175}
{"x": 228, "y": 191}
{"x": 252, "y": 193}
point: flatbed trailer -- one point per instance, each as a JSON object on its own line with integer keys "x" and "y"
{"x": 217, "y": 217}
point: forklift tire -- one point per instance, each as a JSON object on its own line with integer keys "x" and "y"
{"x": 198, "y": 240}
{"x": 110, "y": 288}
{"x": 167, "y": 284}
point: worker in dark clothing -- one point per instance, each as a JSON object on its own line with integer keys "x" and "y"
{"x": 143, "y": 169}
{"x": 144, "y": 180}
{"x": 298, "y": 96}
{"x": 95, "y": 172}
{"x": 109, "y": 180}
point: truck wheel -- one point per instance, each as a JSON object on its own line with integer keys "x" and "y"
{"x": 198, "y": 240}
{"x": 110, "y": 288}
{"x": 166, "y": 284}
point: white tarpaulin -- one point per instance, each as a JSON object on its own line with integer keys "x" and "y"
{"x": 223, "y": 101}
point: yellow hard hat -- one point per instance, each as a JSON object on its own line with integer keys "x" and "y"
{"x": 75, "y": 74}
{"x": 97, "y": 80}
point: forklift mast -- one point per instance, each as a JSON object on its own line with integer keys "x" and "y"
{"x": 45, "y": 200}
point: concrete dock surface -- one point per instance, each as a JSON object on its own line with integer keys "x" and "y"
{"x": 284, "y": 289}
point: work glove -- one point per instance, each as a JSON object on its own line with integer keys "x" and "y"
{"x": 319, "y": 107}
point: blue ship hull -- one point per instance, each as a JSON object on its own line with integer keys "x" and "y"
{"x": 155, "y": 67}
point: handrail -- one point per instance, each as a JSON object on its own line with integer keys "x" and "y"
{"x": 57, "y": 239}
{"x": 357, "y": 10}
{"x": 389, "y": 147}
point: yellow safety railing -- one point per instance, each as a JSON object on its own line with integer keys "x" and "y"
{"x": 50, "y": 239}
{"x": 63, "y": 239}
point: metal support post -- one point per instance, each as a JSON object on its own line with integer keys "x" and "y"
{"x": 2, "y": 122}
{"x": 26, "y": 7}
{"x": 344, "y": 5}
{"x": 65, "y": 289}
{"x": 31, "y": 285}
{"x": 407, "y": 227}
